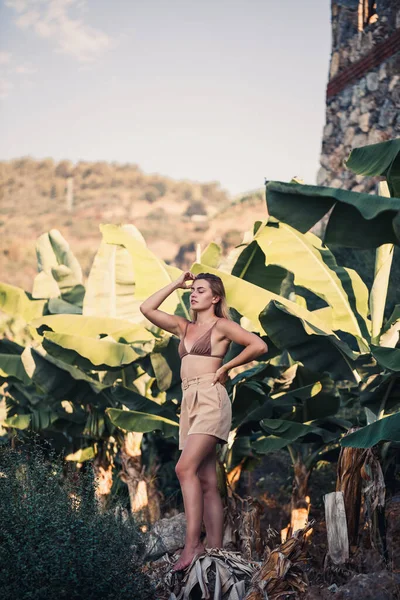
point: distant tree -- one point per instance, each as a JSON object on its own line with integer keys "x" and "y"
{"x": 197, "y": 207}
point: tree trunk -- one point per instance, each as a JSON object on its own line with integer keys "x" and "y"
{"x": 143, "y": 495}
{"x": 103, "y": 466}
{"x": 349, "y": 482}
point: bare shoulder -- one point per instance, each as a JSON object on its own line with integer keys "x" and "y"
{"x": 226, "y": 326}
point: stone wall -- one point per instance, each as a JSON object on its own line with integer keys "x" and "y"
{"x": 363, "y": 94}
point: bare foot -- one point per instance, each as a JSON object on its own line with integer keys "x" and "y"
{"x": 186, "y": 557}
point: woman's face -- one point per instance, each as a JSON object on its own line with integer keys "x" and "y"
{"x": 201, "y": 295}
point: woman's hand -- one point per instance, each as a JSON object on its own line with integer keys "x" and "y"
{"x": 184, "y": 277}
{"x": 221, "y": 375}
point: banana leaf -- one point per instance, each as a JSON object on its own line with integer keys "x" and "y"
{"x": 314, "y": 267}
{"x": 355, "y": 220}
{"x": 12, "y": 369}
{"x": 56, "y": 378}
{"x": 317, "y": 348}
{"x": 110, "y": 288}
{"x": 130, "y": 420}
{"x": 389, "y": 358}
{"x": 151, "y": 273}
{"x": 89, "y": 353}
{"x": 390, "y": 332}
{"x": 250, "y": 300}
{"x": 19, "y": 304}
{"x": 166, "y": 363}
{"x": 385, "y": 429}
{"x": 378, "y": 160}
{"x": 21, "y": 421}
{"x": 93, "y": 327}
{"x": 212, "y": 255}
{"x": 253, "y": 266}
{"x": 60, "y": 274}
{"x": 291, "y": 431}
{"x": 83, "y": 454}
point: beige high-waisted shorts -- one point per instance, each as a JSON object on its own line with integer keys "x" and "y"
{"x": 205, "y": 408}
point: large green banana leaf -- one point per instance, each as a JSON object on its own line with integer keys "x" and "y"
{"x": 151, "y": 273}
{"x": 385, "y": 429}
{"x": 132, "y": 420}
{"x": 355, "y": 220}
{"x": 18, "y": 304}
{"x": 89, "y": 353}
{"x": 110, "y": 288}
{"x": 212, "y": 255}
{"x": 253, "y": 266}
{"x": 389, "y": 358}
{"x": 21, "y": 421}
{"x": 57, "y": 378}
{"x": 12, "y": 369}
{"x": 390, "y": 333}
{"x": 93, "y": 327}
{"x": 60, "y": 274}
{"x": 315, "y": 268}
{"x": 378, "y": 159}
{"x": 166, "y": 363}
{"x": 316, "y": 347}
{"x": 250, "y": 300}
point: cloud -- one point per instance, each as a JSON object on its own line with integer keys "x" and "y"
{"x": 25, "y": 70}
{"x": 5, "y": 58}
{"x": 51, "y": 19}
{"x": 5, "y": 88}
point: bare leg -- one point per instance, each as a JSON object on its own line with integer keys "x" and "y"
{"x": 213, "y": 510}
{"x": 197, "y": 447}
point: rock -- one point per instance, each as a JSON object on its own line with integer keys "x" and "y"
{"x": 324, "y": 160}
{"x": 349, "y": 136}
{"x": 322, "y": 175}
{"x": 374, "y": 586}
{"x": 359, "y": 140}
{"x": 387, "y": 114}
{"x": 372, "y": 81}
{"x": 345, "y": 97}
{"x": 396, "y": 96}
{"x": 364, "y": 122}
{"x": 328, "y": 130}
{"x": 382, "y": 72}
{"x": 334, "y": 65}
{"x": 166, "y": 535}
{"x": 398, "y": 19}
{"x": 367, "y": 104}
{"x": 353, "y": 117}
{"x": 358, "y": 92}
{"x": 375, "y": 136}
{"x": 394, "y": 82}
{"x": 397, "y": 126}
{"x": 336, "y": 183}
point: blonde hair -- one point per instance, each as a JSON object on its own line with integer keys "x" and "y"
{"x": 221, "y": 308}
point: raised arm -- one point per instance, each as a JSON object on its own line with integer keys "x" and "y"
{"x": 149, "y": 308}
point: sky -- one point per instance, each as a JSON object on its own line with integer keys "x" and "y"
{"x": 206, "y": 90}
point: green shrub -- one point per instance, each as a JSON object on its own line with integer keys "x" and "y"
{"x": 54, "y": 542}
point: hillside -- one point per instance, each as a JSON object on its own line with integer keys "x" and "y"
{"x": 172, "y": 215}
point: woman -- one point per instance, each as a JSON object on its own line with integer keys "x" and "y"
{"x": 206, "y": 412}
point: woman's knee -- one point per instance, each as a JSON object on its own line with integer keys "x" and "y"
{"x": 184, "y": 470}
{"x": 208, "y": 482}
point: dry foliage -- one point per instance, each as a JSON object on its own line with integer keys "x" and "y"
{"x": 227, "y": 575}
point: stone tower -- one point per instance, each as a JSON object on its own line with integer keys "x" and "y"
{"x": 363, "y": 93}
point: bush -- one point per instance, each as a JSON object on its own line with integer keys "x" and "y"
{"x": 54, "y": 542}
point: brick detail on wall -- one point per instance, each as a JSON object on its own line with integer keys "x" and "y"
{"x": 373, "y": 59}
